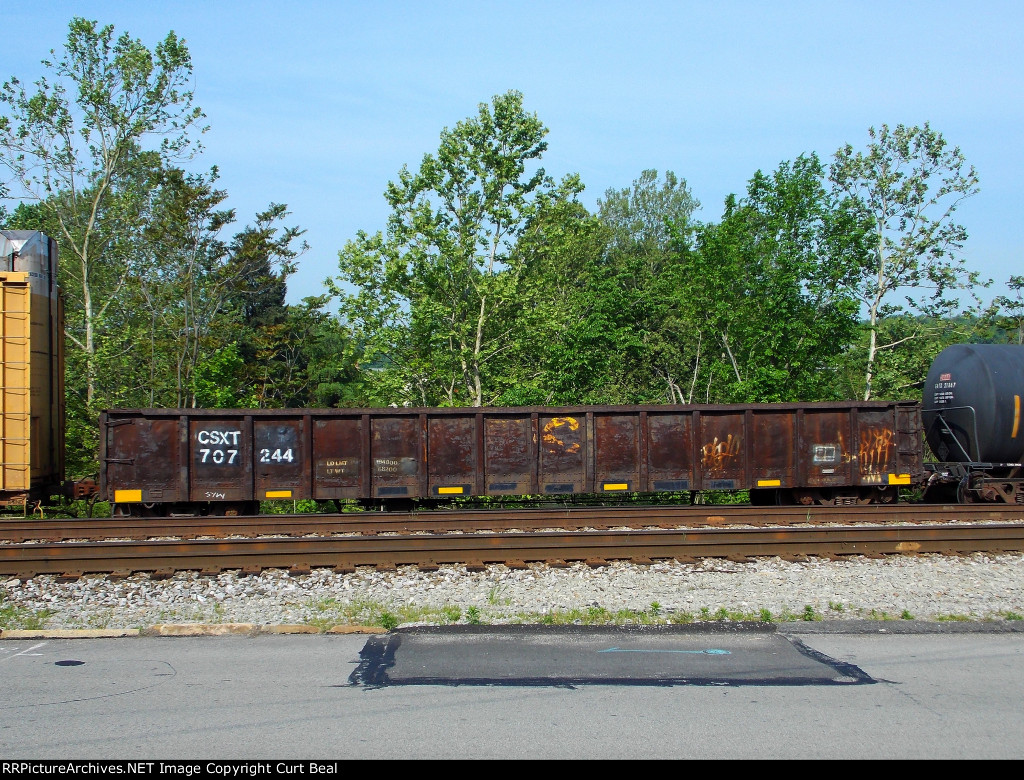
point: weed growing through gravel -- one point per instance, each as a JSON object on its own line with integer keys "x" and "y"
{"x": 14, "y": 617}
{"x": 328, "y": 612}
{"x": 597, "y": 616}
{"x": 494, "y": 596}
{"x": 810, "y": 614}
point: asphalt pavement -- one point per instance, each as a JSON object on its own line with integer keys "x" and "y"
{"x": 852, "y": 690}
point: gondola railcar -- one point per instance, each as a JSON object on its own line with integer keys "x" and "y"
{"x": 205, "y": 461}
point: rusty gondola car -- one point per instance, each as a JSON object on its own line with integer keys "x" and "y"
{"x": 224, "y": 462}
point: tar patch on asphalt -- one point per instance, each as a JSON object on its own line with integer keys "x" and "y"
{"x": 742, "y": 654}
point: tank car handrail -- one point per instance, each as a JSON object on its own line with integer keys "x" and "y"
{"x": 945, "y": 425}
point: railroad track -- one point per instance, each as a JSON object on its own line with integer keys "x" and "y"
{"x": 300, "y": 555}
{"x": 21, "y": 530}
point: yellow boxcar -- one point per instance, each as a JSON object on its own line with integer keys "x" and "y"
{"x": 32, "y": 365}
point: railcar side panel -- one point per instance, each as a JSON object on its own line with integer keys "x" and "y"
{"x": 617, "y": 452}
{"x": 909, "y": 449}
{"x": 563, "y": 453}
{"x": 338, "y": 457}
{"x": 876, "y": 448}
{"x": 670, "y": 451}
{"x": 451, "y": 456}
{"x": 281, "y": 464}
{"x": 143, "y": 461}
{"x": 772, "y": 449}
{"x": 221, "y": 458}
{"x": 722, "y": 450}
{"x": 826, "y": 447}
{"x": 510, "y": 455}
{"x": 397, "y": 452}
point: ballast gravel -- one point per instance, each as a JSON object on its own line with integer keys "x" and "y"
{"x": 977, "y": 587}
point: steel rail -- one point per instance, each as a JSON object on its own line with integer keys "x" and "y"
{"x": 569, "y": 518}
{"x": 300, "y": 555}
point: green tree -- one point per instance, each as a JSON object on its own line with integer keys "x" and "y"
{"x": 766, "y": 290}
{"x": 180, "y": 279}
{"x": 637, "y": 282}
{"x": 1011, "y": 310}
{"x": 640, "y": 217}
{"x": 204, "y": 293}
{"x": 84, "y": 145}
{"x": 435, "y": 297}
{"x": 909, "y": 183}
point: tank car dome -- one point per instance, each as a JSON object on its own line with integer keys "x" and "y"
{"x": 971, "y": 408}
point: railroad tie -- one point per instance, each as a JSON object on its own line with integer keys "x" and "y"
{"x": 739, "y": 558}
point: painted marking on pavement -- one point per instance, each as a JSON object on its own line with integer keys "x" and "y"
{"x": 689, "y": 652}
{"x": 27, "y": 651}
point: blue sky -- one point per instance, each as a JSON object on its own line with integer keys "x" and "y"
{"x": 319, "y": 104}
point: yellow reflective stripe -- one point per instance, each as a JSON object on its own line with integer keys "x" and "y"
{"x": 899, "y": 479}
{"x": 1016, "y": 416}
{"x": 447, "y": 491}
{"x": 279, "y": 494}
{"x": 125, "y": 496}
{"x": 769, "y": 482}
{"x": 616, "y": 486}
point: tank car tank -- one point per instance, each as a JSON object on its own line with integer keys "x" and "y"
{"x": 972, "y": 403}
{"x": 972, "y": 418}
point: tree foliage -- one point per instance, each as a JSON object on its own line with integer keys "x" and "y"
{"x": 909, "y": 183}
{"x": 87, "y": 144}
{"x": 434, "y": 296}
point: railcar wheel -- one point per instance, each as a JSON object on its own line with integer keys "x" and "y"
{"x": 803, "y": 497}
{"x": 884, "y": 495}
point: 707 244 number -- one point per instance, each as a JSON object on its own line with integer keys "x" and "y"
{"x": 227, "y": 457}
